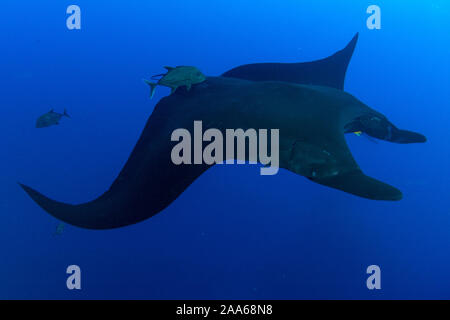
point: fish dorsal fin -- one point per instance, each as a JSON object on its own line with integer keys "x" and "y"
{"x": 155, "y": 77}
{"x": 169, "y": 68}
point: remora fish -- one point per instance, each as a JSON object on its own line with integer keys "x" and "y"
{"x": 177, "y": 77}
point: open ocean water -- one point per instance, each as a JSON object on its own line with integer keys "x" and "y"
{"x": 233, "y": 234}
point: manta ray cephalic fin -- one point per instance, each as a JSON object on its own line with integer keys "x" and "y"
{"x": 357, "y": 183}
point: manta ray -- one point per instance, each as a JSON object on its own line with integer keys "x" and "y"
{"x": 305, "y": 101}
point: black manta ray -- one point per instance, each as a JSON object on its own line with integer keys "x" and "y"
{"x": 305, "y": 101}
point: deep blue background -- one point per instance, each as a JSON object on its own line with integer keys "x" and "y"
{"x": 233, "y": 233}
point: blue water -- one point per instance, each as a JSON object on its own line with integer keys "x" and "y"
{"x": 233, "y": 234}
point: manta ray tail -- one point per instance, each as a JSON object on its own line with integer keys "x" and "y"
{"x": 329, "y": 72}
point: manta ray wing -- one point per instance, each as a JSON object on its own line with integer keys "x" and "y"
{"x": 147, "y": 184}
{"x": 328, "y": 72}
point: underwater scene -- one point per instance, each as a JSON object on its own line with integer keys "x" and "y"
{"x": 232, "y": 150}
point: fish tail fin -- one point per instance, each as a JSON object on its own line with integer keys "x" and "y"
{"x": 152, "y": 87}
{"x": 66, "y": 114}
